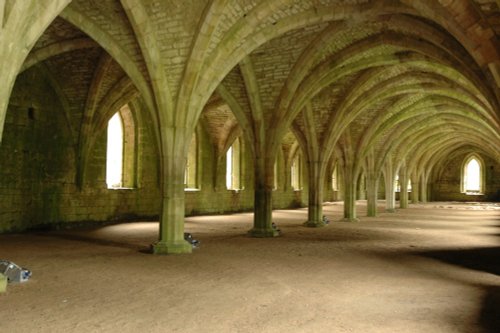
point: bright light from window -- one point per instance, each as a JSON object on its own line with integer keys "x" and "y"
{"x": 295, "y": 173}
{"x": 114, "y": 155}
{"x": 229, "y": 168}
{"x": 473, "y": 176}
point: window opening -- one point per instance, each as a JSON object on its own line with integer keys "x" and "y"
{"x": 114, "y": 152}
{"x": 229, "y": 168}
{"x": 233, "y": 166}
{"x": 472, "y": 177}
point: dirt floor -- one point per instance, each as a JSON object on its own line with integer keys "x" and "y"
{"x": 431, "y": 268}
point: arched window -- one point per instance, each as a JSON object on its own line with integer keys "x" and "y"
{"x": 296, "y": 172}
{"x": 121, "y": 151}
{"x": 233, "y": 166}
{"x": 472, "y": 176}
{"x": 114, "y": 154}
{"x": 190, "y": 175}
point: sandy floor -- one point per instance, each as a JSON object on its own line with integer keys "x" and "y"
{"x": 430, "y": 268}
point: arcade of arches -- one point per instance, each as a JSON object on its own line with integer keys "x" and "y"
{"x": 316, "y": 100}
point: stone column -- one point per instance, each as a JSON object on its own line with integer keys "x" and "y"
{"x": 328, "y": 193}
{"x": 8, "y": 78}
{"x": 361, "y": 188}
{"x": 414, "y": 188}
{"x": 403, "y": 181}
{"x": 172, "y": 215}
{"x": 423, "y": 189}
{"x": 315, "y": 207}
{"x": 349, "y": 195}
{"x": 339, "y": 194}
{"x": 372, "y": 194}
{"x": 263, "y": 207}
{"x": 390, "y": 198}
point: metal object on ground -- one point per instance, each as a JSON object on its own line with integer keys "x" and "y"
{"x": 13, "y": 272}
{"x": 189, "y": 238}
{"x": 275, "y": 227}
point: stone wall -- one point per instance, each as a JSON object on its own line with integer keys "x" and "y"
{"x": 38, "y": 169}
{"x": 214, "y": 198}
{"x": 447, "y": 185}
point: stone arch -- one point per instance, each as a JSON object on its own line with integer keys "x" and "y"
{"x": 129, "y": 153}
{"x": 55, "y": 49}
{"x": 131, "y": 143}
{"x": 465, "y": 174}
{"x": 107, "y": 42}
{"x": 26, "y": 21}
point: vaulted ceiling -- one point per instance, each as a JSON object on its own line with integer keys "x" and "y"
{"x": 410, "y": 80}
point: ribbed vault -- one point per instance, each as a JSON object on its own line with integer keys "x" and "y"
{"x": 380, "y": 86}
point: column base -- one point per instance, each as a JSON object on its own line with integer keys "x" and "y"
{"x": 350, "y": 219}
{"x": 390, "y": 210}
{"x": 263, "y": 232}
{"x": 314, "y": 224}
{"x": 161, "y": 247}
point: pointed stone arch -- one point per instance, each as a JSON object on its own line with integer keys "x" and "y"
{"x": 470, "y": 162}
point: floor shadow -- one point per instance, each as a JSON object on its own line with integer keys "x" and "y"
{"x": 481, "y": 259}
{"x": 485, "y": 259}
{"x": 489, "y": 317}
{"x": 97, "y": 241}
